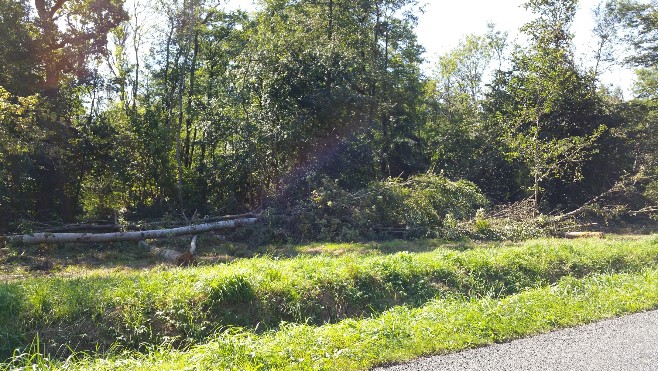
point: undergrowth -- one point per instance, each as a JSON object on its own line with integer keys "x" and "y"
{"x": 181, "y": 307}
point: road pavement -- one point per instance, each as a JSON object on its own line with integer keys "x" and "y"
{"x": 625, "y": 343}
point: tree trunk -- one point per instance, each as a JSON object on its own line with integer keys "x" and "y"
{"x": 190, "y": 96}
{"x": 47, "y": 237}
{"x": 573, "y": 235}
{"x": 168, "y": 93}
{"x": 173, "y": 256}
{"x": 535, "y": 200}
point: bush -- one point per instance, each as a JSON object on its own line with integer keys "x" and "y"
{"x": 422, "y": 203}
{"x": 416, "y": 207}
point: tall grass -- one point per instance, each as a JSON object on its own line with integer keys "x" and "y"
{"x": 401, "y": 333}
{"x": 136, "y": 310}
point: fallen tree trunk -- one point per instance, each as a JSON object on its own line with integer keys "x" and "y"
{"x": 47, "y": 237}
{"x": 649, "y": 210}
{"x": 136, "y": 227}
{"x": 622, "y": 185}
{"x": 572, "y": 235}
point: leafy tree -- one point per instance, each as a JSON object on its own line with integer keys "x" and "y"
{"x": 453, "y": 132}
{"x": 319, "y": 79}
{"x": 17, "y": 49}
{"x": 641, "y": 28}
{"x": 69, "y": 33}
{"x": 546, "y": 96}
{"x": 646, "y": 85}
{"x": 47, "y": 49}
{"x": 17, "y": 138}
{"x": 461, "y": 141}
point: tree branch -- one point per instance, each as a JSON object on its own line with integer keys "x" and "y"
{"x": 57, "y": 6}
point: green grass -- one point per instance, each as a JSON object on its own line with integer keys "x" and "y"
{"x": 401, "y": 333}
{"x": 138, "y": 310}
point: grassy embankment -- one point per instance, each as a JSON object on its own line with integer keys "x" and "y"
{"x": 397, "y": 306}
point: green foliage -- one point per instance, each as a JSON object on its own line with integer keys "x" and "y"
{"x": 639, "y": 21}
{"x": 43, "y": 159}
{"x": 229, "y": 112}
{"x": 17, "y": 49}
{"x": 65, "y": 49}
{"x": 459, "y": 142}
{"x": 651, "y": 191}
{"x": 19, "y": 132}
{"x": 415, "y": 207}
{"x": 424, "y": 201}
{"x": 537, "y": 102}
{"x": 646, "y": 84}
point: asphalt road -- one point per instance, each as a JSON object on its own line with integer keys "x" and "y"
{"x": 626, "y": 343}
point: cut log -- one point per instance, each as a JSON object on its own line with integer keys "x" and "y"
{"x": 47, "y": 237}
{"x": 572, "y": 235}
{"x": 173, "y": 256}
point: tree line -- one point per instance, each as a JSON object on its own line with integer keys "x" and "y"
{"x": 113, "y": 110}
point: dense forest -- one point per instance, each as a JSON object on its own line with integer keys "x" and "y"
{"x": 316, "y": 110}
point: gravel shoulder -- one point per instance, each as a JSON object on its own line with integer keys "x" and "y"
{"x": 625, "y": 343}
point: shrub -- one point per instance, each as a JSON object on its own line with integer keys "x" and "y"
{"x": 421, "y": 203}
{"x": 415, "y": 207}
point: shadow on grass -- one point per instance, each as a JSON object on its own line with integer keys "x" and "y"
{"x": 23, "y": 261}
{"x": 377, "y": 247}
